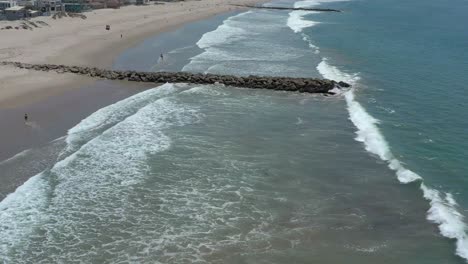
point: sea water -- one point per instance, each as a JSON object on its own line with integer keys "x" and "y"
{"x": 411, "y": 61}
{"x": 213, "y": 174}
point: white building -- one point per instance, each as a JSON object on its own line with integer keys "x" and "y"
{"x": 49, "y": 7}
{"x": 15, "y": 13}
{"x": 7, "y": 4}
{"x": 27, "y": 3}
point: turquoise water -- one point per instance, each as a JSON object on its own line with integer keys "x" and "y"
{"x": 214, "y": 174}
{"x": 411, "y": 59}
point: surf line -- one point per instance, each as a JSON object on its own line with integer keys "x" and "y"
{"x": 443, "y": 209}
{"x": 290, "y": 8}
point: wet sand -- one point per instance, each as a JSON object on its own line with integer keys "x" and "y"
{"x": 76, "y": 41}
{"x": 49, "y": 119}
{"x": 57, "y": 102}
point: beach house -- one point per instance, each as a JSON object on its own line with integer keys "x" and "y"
{"x": 97, "y": 4}
{"x": 75, "y": 6}
{"x": 142, "y": 2}
{"x": 49, "y": 7}
{"x": 29, "y": 4}
{"x": 7, "y": 4}
{"x": 15, "y": 12}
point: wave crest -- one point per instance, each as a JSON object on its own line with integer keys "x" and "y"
{"x": 297, "y": 22}
{"x": 443, "y": 210}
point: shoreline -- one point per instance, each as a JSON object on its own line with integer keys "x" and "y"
{"x": 29, "y": 148}
{"x": 56, "y": 102}
{"x": 74, "y": 41}
{"x": 87, "y": 43}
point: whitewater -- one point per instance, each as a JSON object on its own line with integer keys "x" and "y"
{"x": 444, "y": 209}
{"x": 214, "y": 174}
{"x": 49, "y": 199}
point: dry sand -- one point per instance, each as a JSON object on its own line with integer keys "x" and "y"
{"x": 56, "y": 102}
{"x": 76, "y": 41}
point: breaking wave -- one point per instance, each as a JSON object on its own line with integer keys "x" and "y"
{"x": 297, "y": 22}
{"x": 443, "y": 210}
{"x": 109, "y": 156}
{"x": 243, "y": 44}
{"x": 313, "y": 3}
{"x": 112, "y": 114}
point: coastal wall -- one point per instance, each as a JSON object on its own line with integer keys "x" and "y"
{"x": 303, "y": 85}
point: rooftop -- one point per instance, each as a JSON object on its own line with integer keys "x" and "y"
{"x": 15, "y": 8}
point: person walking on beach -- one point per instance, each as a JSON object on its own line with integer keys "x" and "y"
{"x": 25, "y": 118}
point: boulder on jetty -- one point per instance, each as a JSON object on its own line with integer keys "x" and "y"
{"x": 303, "y": 85}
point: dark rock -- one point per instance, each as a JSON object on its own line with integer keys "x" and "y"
{"x": 303, "y": 85}
{"x": 343, "y": 84}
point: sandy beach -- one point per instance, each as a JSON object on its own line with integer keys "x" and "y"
{"x": 57, "y": 102}
{"x": 77, "y": 41}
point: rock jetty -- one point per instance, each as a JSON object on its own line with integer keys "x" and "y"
{"x": 290, "y": 8}
{"x": 303, "y": 85}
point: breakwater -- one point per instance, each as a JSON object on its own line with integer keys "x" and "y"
{"x": 303, "y": 85}
{"x": 291, "y": 8}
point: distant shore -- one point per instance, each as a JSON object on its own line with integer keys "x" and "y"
{"x": 86, "y": 42}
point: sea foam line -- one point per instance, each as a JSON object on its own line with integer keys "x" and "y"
{"x": 16, "y": 156}
{"x": 297, "y": 22}
{"x": 314, "y": 3}
{"x": 112, "y": 114}
{"x": 22, "y": 211}
{"x": 225, "y": 33}
{"x": 443, "y": 208}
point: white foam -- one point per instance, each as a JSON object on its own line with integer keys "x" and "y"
{"x": 237, "y": 45}
{"x": 21, "y": 213}
{"x": 311, "y": 45}
{"x": 297, "y": 22}
{"x": 443, "y": 209}
{"x": 114, "y": 113}
{"x": 299, "y": 121}
{"x": 333, "y": 73}
{"x": 210, "y": 90}
{"x": 180, "y": 50}
{"x": 368, "y": 131}
{"x": 308, "y": 3}
{"x": 228, "y": 32}
{"x": 314, "y": 3}
{"x": 97, "y": 173}
{"x": 370, "y": 249}
{"x": 443, "y": 212}
{"x": 214, "y": 38}
{"x": 16, "y": 156}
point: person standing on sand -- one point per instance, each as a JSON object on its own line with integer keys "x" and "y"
{"x": 25, "y": 118}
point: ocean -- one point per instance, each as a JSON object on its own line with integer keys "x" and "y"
{"x": 212, "y": 174}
